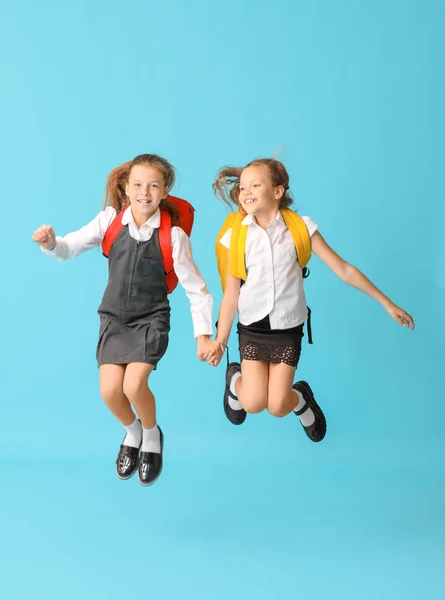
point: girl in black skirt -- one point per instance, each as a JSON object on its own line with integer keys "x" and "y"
{"x": 135, "y": 309}
{"x": 271, "y": 302}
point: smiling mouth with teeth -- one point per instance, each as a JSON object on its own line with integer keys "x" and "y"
{"x": 249, "y": 200}
{"x": 144, "y": 201}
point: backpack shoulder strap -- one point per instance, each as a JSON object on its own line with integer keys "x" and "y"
{"x": 238, "y": 248}
{"x": 165, "y": 241}
{"x": 112, "y": 232}
{"x": 225, "y": 226}
{"x": 300, "y": 235}
{"x": 221, "y": 251}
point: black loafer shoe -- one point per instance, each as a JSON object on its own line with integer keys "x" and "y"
{"x": 127, "y": 462}
{"x": 150, "y": 464}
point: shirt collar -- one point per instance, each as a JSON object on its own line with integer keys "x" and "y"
{"x": 249, "y": 219}
{"x": 154, "y": 221}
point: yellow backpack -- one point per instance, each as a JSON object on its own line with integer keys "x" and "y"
{"x": 294, "y": 223}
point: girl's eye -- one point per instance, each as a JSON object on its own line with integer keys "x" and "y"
{"x": 256, "y": 185}
{"x": 154, "y": 185}
{"x": 137, "y": 184}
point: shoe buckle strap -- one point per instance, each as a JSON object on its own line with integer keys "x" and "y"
{"x": 302, "y": 410}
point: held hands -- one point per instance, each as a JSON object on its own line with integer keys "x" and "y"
{"x": 209, "y": 350}
{"x": 45, "y": 236}
{"x": 400, "y": 315}
{"x": 216, "y": 358}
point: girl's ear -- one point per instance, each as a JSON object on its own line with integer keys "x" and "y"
{"x": 126, "y": 189}
{"x": 165, "y": 193}
{"x": 279, "y": 192}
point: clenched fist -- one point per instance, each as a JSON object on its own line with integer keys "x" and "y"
{"x": 46, "y": 237}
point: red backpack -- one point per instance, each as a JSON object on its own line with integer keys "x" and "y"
{"x": 186, "y": 214}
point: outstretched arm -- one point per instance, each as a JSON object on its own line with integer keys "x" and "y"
{"x": 77, "y": 242}
{"x": 355, "y": 278}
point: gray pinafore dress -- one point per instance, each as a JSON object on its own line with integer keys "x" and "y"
{"x": 135, "y": 310}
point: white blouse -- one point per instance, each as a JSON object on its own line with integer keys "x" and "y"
{"x": 92, "y": 234}
{"x": 274, "y": 284}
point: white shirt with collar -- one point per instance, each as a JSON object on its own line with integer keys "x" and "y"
{"x": 274, "y": 284}
{"x": 92, "y": 234}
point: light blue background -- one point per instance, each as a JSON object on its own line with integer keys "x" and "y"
{"x": 355, "y": 92}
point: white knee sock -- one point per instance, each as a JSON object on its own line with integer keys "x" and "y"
{"x": 134, "y": 434}
{"x": 308, "y": 417}
{"x": 234, "y": 404}
{"x": 151, "y": 440}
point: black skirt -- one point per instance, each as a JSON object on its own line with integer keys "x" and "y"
{"x": 259, "y": 341}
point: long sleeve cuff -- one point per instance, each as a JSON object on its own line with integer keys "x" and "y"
{"x": 60, "y": 251}
{"x": 202, "y": 316}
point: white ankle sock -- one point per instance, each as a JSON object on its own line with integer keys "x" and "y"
{"x": 151, "y": 440}
{"x": 134, "y": 434}
{"x": 234, "y": 404}
{"x": 308, "y": 417}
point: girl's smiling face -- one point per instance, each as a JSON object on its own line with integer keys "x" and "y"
{"x": 145, "y": 190}
{"x": 256, "y": 192}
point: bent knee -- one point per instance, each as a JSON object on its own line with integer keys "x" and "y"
{"x": 134, "y": 386}
{"x": 111, "y": 392}
{"x": 278, "y": 407}
{"x": 253, "y": 404}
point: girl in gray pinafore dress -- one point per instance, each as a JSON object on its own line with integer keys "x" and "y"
{"x": 135, "y": 310}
